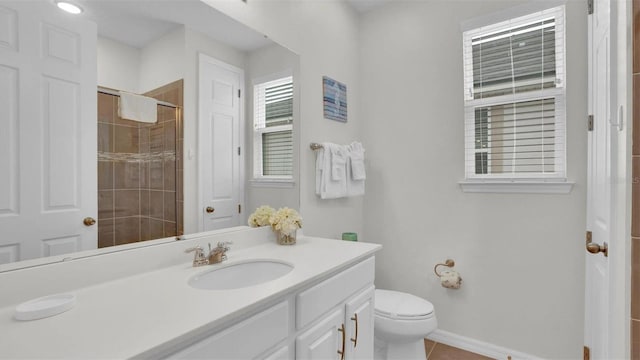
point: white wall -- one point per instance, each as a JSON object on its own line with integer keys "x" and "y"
{"x": 162, "y": 61}
{"x": 325, "y": 35}
{"x": 267, "y": 61}
{"x": 521, "y": 256}
{"x": 127, "y": 68}
{"x": 118, "y": 65}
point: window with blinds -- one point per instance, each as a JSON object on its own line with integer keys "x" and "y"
{"x": 515, "y": 98}
{"x": 273, "y": 129}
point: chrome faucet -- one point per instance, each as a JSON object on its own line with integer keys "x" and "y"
{"x": 216, "y": 255}
{"x": 198, "y": 258}
{"x": 219, "y": 253}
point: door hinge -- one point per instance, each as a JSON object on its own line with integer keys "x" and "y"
{"x": 586, "y": 353}
{"x": 589, "y": 237}
{"x": 239, "y": 209}
{"x": 238, "y": 150}
{"x": 590, "y": 123}
{"x": 589, "y": 7}
{"x": 239, "y": 92}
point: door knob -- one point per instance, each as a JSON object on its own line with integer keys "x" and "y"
{"x": 89, "y": 221}
{"x": 594, "y": 248}
{"x": 209, "y": 209}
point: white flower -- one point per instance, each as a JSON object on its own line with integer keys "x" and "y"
{"x": 285, "y": 220}
{"x": 261, "y": 216}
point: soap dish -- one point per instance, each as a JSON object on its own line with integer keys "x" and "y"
{"x": 44, "y": 307}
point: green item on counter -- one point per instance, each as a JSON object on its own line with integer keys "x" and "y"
{"x": 350, "y": 236}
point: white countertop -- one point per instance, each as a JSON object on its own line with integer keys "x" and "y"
{"x": 143, "y": 314}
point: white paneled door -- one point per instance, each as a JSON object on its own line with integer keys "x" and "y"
{"x": 601, "y": 164}
{"x": 219, "y": 135}
{"x": 48, "y": 131}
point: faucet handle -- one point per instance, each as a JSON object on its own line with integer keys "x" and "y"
{"x": 197, "y": 249}
{"x": 198, "y": 257}
{"x": 218, "y": 254}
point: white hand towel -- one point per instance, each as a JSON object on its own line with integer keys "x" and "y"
{"x": 355, "y": 170}
{"x": 138, "y": 108}
{"x": 319, "y": 169}
{"x": 331, "y": 189}
{"x": 356, "y": 155}
{"x": 338, "y": 162}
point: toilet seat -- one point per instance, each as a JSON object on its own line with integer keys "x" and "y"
{"x": 396, "y": 305}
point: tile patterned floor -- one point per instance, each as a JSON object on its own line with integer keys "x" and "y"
{"x": 437, "y": 351}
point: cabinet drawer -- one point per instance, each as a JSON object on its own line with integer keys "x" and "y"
{"x": 245, "y": 340}
{"x": 312, "y": 303}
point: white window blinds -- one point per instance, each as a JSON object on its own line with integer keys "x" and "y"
{"x": 273, "y": 128}
{"x": 515, "y": 98}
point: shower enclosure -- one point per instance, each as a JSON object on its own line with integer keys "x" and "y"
{"x": 140, "y": 170}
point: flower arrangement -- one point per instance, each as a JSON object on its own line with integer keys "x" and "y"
{"x": 261, "y": 216}
{"x": 285, "y": 221}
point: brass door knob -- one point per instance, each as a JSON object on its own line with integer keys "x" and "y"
{"x": 89, "y": 221}
{"x": 209, "y": 209}
{"x": 595, "y": 248}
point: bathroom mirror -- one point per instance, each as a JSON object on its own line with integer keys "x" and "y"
{"x": 149, "y": 47}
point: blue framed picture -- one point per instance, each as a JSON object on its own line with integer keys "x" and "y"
{"x": 335, "y": 99}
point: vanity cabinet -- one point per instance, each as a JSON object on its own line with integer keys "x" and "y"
{"x": 346, "y": 333}
{"x": 324, "y": 339}
{"x": 359, "y": 320}
{"x": 332, "y": 319}
{"x": 349, "y": 294}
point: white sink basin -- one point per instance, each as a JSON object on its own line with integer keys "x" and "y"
{"x": 239, "y": 275}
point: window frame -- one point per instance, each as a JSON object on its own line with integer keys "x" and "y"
{"x": 512, "y": 182}
{"x": 258, "y": 165}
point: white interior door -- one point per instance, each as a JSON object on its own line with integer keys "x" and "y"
{"x": 599, "y": 198}
{"x": 48, "y": 137}
{"x": 219, "y": 121}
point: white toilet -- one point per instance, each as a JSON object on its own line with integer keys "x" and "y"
{"x": 401, "y": 323}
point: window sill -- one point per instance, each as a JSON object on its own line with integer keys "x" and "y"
{"x": 273, "y": 183}
{"x": 516, "y": 187}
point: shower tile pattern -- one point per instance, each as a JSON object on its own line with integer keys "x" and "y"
{"x": 140, "y": 171}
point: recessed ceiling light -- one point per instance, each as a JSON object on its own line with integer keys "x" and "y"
{"x": 69, "y": 7}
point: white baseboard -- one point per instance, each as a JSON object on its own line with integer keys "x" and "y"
{"x": 478, "y": 347}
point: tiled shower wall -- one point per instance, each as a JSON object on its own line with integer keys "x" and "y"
{"x": 139, "y": 182}
{"x": 635, "y": 228}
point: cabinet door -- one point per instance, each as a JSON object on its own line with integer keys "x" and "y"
{"x": 359, "y": 323}
{"x": 324, "y": 340}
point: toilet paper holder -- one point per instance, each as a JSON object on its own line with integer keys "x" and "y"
{"x": 448, "y": 263}
{"x": 449, "y": 279}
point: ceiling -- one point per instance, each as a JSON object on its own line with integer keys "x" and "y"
{"x": 139, "y": 22}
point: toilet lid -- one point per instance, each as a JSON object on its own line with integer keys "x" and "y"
{"x": 399, "y": 305}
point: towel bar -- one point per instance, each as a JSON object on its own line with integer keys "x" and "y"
{"x": 315, "y": 146}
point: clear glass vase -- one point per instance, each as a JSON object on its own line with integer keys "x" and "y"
{"x": 286, "y": 239}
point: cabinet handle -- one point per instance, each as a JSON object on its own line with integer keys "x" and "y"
{"x": 355, "y": 341}
{"x": 341, "y": 329}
